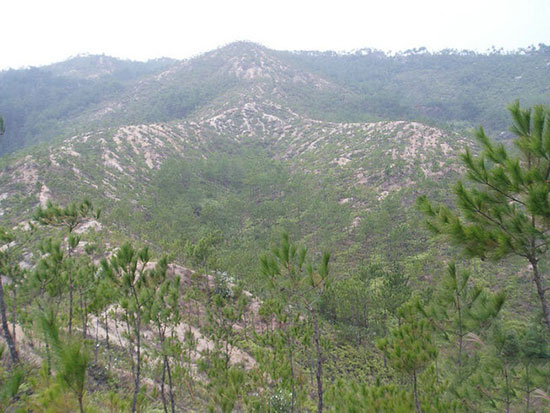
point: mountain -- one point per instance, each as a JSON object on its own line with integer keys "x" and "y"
{"x": 248, "y": 167}
{"x": 463, "y": 88}
{"x": 188, "y": 88}
{"x": 39, "y": 104}
{"x": 224, "y": 142}
{"x": 101, "y": 66}
{"x": 207, "y": 162}
{"x": 227, "y": 142}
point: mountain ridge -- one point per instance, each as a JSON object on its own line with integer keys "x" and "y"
{"x": 354, "y": 167}
{"x": 40, "y": 104}
{"x": 206, "y": 163}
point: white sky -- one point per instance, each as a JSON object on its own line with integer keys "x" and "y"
{"x": 37, "y": 32}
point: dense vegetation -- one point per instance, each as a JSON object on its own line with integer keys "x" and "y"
{"x": 37, "y": 103}
{"x": 100, "y": 327}
{"x": 250, "y": 258}
{"x": 448, "y": 86}
{"x": 462, "y": 88}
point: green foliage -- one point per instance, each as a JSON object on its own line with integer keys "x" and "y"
{"x": 69, "y": 217}
{"x": 49, "y": 278}
{"x": 10, "y": 385}
{"x": 127, "y": 271}
{"x": 222, "y": 199}
{"x": 37, "y": 102}
{"x": 41, "y": 103}
{"x": 200, "y": 252}
{"x": 163, "y": 310}
{"x": 410, "y": 346}
{"x": 437, "y": 87}
{"x": 137, "y": 293}
{"x": 503, "y": 212}
{"x": 353, "y": 397}
{"x": 380, "y": 290}
{"x": 227, "y": 388}
{"x": 461, "y": 308}
{"x": 71, "y": 358}
{"x": 292, "y": 276}
{"x": 298, "y": 285}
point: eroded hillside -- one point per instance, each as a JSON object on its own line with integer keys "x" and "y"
{"x": 249, "y": 168}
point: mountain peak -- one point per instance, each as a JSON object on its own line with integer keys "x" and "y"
{"x": 87, "y": 66}
{"x": 242, "y": 47}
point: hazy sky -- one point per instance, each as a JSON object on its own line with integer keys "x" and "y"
{"x": 43, "y": 31}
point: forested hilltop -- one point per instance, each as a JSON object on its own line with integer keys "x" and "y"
{"x": 254, "y": 230}
{"x": 462, "y": 88}
{"x": 459, "y": 87}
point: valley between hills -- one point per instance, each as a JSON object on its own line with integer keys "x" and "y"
{"x": 246, "y": 231}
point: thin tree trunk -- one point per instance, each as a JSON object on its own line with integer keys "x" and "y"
{"x": 81, "y": 403}
{"x": 460, "y": 344}
{"x": 84, "y": 317}
{"x": 507, "y": 390}
{"x": 541, "y": 292}
{"x": 70, "y": 292}
{"x": 244, "y": 324}
{"x": 130, "y": 346}
{"x": 319, "y": 373}
{"x": 292, "y": 389}
{"x": 312, "y": 368}
{"x": 527, "y": 389}
{"x": 138, "y": 361}
{"x": 162, "y": 396}
{"x": 107, "y": 345}
{"x": 415, "y": 391}
{"x": 48, "y": 356}
{"x": 106, "y": 321}
{"x": 164, "y": 365}
{"x": 14, "y": 313}
{"x": 170, "y": 386}
{"x": 385, "y": 335}
{"x": 96, "y": 347}
{"x": 7, "y": 335}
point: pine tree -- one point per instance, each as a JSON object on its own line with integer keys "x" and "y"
{"x": 71, "y": 358}
{"x": 102, "y": 296}
{"x": 534, "y": 352}
{"x": 68, "y": 218}
{"x": 494, "y": 379}
{"x": 297, "y": 282}
{"x": 85, "y": 283}
{"x": 10, "y": 385}
{"x": 461, "y": 308}
{"x": 506, "y": 210}
{"x": 353, "y": 397}
{"x": 47, "y": 283}
{"x": 127, "y": 270}
{"x": 462, "y": 313}
{"x": 164, "y": 312}
{"x": 276, "y": 355}
{"x": 6, "y": 266}
{"x": 18, "y": 277}
{"x": 410, "y": 347}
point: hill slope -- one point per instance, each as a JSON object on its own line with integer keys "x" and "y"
{"x": 208, "y": 161}
{"x": 84, "y": 93}
{"x": 250, "y": 169}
